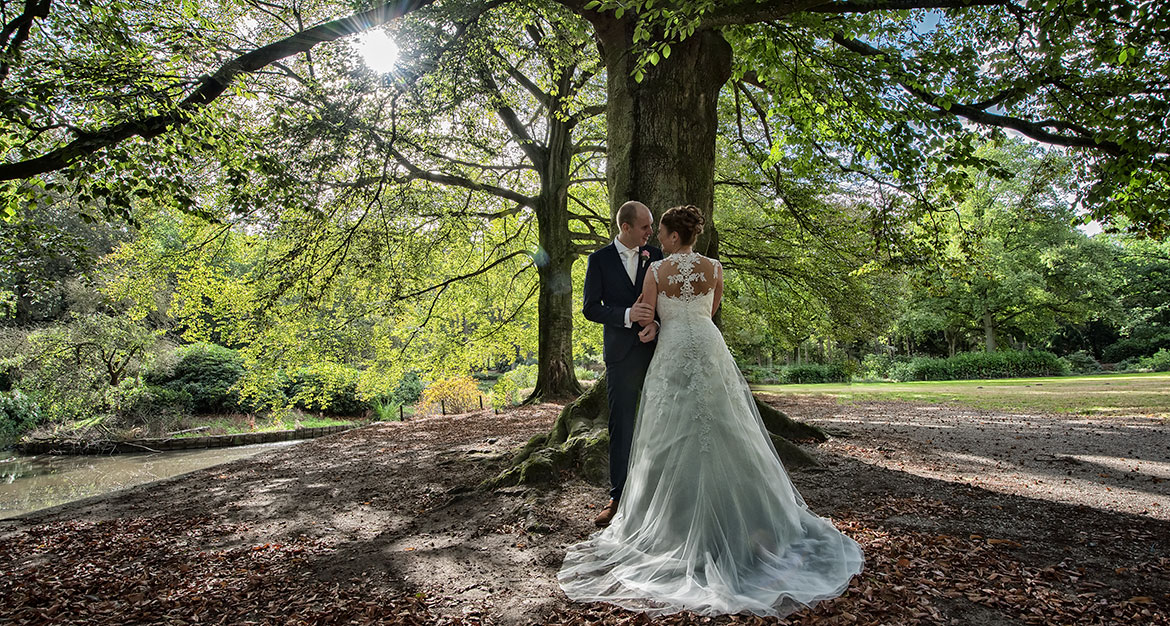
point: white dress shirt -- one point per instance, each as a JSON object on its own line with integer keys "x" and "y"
{"x": 630, "y": 260}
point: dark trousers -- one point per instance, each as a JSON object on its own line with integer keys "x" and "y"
{"x": 625, "y": 379}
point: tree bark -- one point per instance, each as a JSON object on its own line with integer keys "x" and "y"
{"x": 988, "y": 331}
{"x": 661, "y": 131}
{"x": 556, "y": 378}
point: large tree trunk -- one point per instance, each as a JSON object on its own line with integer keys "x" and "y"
{"x": 661, "y": 151}
{"x": 661, "y": 142}
{"x": 556, "y": 379}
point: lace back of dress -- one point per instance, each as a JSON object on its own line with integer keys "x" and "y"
{"x": 686, "y": 276}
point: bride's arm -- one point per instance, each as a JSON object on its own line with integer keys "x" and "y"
{"x": 718, "y": 286}
{"x": 650, "y": 296}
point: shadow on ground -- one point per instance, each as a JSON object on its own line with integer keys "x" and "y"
{"x": 393, "y": 512}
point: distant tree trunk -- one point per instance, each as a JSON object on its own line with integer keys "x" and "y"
{"x": 988, "y": 331}
{"x": 661, "y": 151}
{"x": 556, "y": 378}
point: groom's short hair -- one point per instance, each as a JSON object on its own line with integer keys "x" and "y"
{"x": 628, "y": 213}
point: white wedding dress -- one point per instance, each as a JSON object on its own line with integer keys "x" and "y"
{"x": 709, "y": 521}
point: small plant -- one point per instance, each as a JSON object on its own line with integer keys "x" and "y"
{"x": 385, "y": 409}
{"x": 457, "y": 394}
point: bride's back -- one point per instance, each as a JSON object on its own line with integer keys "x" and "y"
{"x": 687, "y": 279}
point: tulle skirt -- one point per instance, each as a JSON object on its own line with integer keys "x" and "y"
{"x": 709, "y": 521}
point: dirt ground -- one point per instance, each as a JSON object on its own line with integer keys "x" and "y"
{"x": 966, "y": 517}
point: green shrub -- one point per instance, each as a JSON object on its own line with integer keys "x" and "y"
{"x": 385, "y": 409}
{"x": 880, "y": 366}
{"x": 815, "y": 374}
{"x": 409, "y": 389}
{"x": 19, "y": 413}
{"x": 205, "y": 372}
{"x": 1082, "y": 362}
{"x": 9, "y": 373}
{"x": 761, "y": 375}
{"x": 584, "y": 373}
{"x": 524, "y": 376}
{"x": 70, "y": 367}
{"x": 327, "y": 388}
{"x": 1136, "y": 347}
{"x": 457, "y": 394}
{"x": 1158, "y": 362}
{"x": 505, "y": 393}
{"x": 1128, "y": 365}
{"x": 978, "y": 365}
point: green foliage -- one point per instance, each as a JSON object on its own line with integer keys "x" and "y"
{"x": 1136, "y": 347}
{"x": 1158, "y": 362}
{"x": 207, "y": 374}
{"x": 760, "y": 375}
{"x": 815, "y": 374}
{"x": 457, "y": 394}
{"x": 328, "y": 388}
{"x": 879, "y": 366}
{"x": 71, "y": 367}
{"x": 585, "y": 373}
{"x": 19, "y": 413}
{"x": 505, "y": 393}
{"x": 9, "y": 372}
{"x": 1008, "y": 262}
{"x": 971, "y": 365}
{"x": 385, "y": 410}
{"x": 410, "y": 388}
{"x": 511, "y": 384}
{"x": 1081, "y": 362}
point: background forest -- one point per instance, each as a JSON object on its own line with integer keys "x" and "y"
{"x": 327, "y": 238}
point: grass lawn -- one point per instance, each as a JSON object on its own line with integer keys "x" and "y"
{"x": 1102, "y": 394}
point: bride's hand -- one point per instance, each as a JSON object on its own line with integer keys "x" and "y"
{"x": 649, "y": 333}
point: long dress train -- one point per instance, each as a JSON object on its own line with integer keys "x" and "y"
{"x": 709, "y": 521}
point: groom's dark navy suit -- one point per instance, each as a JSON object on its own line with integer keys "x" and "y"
{"x": 608, "y": 293}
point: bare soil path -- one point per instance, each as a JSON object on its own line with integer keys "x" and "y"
{"x": 385, "y": 524}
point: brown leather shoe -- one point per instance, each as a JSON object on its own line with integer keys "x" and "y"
{"x": 606, "y": 515}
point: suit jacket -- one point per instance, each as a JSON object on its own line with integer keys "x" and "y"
{"x": 608, "y": 293}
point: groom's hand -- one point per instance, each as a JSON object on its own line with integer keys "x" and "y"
{"x": 641, "y": 313}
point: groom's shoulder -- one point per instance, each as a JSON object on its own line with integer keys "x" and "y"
{"x": 601, "y": 250}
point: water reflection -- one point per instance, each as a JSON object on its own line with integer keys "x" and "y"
{"x": 28, "y": 483}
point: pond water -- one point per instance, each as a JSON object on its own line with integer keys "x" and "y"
{"x": 28, "y": 483}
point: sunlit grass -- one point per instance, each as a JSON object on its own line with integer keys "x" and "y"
{"x": 1106, "y": 394}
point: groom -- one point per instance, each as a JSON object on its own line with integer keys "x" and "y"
{"x": 613, "y": 288}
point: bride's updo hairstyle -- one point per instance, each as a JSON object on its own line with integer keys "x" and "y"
{"x": 686, "y": 220}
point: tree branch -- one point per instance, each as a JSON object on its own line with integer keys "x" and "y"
{"x": 209, "y": 90}
{"x": 1082, "y": 137}
{"x": 751, "y": 13}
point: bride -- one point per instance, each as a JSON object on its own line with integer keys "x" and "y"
{"x": 709, "y": 521}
